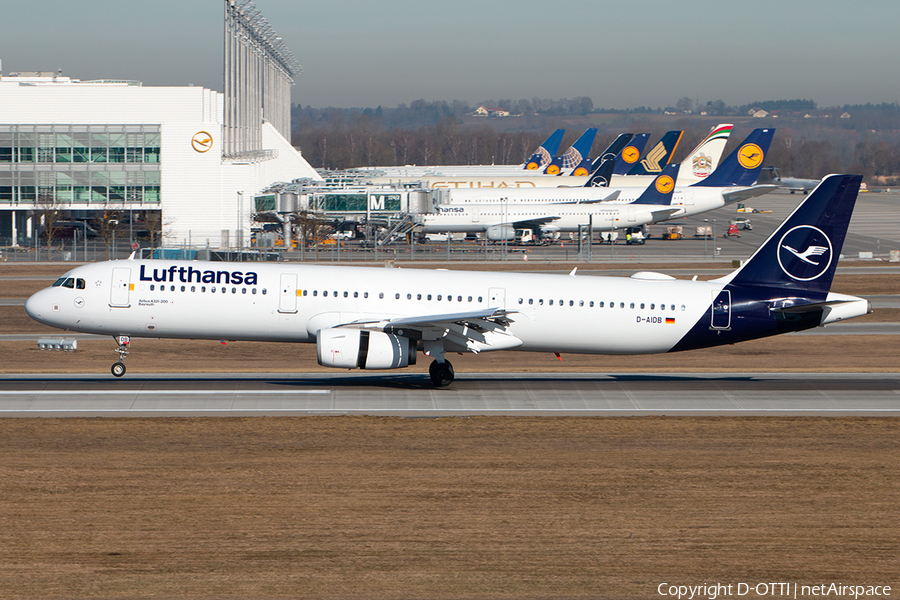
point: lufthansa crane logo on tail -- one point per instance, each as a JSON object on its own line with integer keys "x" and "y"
{"x": 750, "y": 156}
{"x": 630, "y": 155}
{"x": 664, "y": 184}
{"x": 805, "y": 253}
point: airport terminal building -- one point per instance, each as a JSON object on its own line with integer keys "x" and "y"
{"x": 94, "y": 148}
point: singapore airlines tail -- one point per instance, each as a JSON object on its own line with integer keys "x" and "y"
{"x": 658, "y": 156}
{"x": 546, "y": 152}
{"x": 376, "y": 318}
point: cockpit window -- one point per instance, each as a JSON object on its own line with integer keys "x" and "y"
{"x": 79, "y": 284}
{"x": 58, "y": 282}
{"x": 69, "y": 283}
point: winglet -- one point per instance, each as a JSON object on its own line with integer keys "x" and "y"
{"x": 572, "y": 274}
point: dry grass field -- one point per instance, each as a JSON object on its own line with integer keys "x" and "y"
{"x": 456, "y": 508}
{"x": 354, "y": 507}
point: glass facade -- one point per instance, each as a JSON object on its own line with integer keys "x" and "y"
{"x": 359, "y": 202}
{"x": 80, "y": 164}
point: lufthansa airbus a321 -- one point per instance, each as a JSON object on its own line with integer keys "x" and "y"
{"x": 376, "y": 318}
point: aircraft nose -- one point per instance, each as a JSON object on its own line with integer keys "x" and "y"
{"x": 36, "y": 306}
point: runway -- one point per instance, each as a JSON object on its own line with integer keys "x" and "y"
{"x": 511, "y": 394}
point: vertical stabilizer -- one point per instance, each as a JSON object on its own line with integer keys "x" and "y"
{"x": 803, "y": 252}
{"x": 629, "y": 156}
{"x": 546, "y": 152}
{"x": 575, "y": 155}
{"x": 700, "y": 163}
{"x": 661, "y": 190}
{"x": 658, "y": 156}
{"x": 742, "y": 167}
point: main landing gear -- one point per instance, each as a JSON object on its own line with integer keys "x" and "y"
{"x": 441, "y": 373}
{"x": 118, "y": 368}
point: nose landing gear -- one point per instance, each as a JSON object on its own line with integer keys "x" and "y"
{"x": 118, "y": 368}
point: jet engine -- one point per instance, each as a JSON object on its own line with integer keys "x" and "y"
{"x": 361, "y": 349}
{"x": 498, "y": 233}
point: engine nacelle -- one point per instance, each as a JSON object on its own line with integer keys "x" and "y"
{"x": 498, "y": 233}
{"x": 360, "y": 349}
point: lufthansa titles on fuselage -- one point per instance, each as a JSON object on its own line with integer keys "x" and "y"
{"x": 189, "y": 274}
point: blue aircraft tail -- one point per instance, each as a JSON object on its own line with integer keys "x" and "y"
{"x": 612, "y": 150}
{"x": 575, "y": 155}
{"x": 658, "y": 156}
{"x": 662, "y": 188}
{"x": 602, "y": 175}
{"x": 631, "y": 154}
{"x": 546, "y": 152}
{"x": 742, "y": 167}
{"x": 803, "y": 252}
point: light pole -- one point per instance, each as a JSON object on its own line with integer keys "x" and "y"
{"x": 705, "y": 243}
{"x": 113, "y": 223}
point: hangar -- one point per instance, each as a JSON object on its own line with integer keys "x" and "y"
{"x": 187, "y": 159}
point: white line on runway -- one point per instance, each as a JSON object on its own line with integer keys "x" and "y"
{"x": 155, "y": 392}
{"x": 392, "y": 411}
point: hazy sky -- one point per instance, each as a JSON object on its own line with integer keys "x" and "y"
{"x": 356, "y": 53}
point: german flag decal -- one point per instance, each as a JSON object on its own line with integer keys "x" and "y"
{"x": 670, "y": 320}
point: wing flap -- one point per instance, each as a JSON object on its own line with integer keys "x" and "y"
{"x": 747, "y": 193}
{"x": 472, "y": 331}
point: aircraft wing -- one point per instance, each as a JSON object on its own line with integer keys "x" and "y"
{"x": 612, "y": 197}
{"x": 747, "y": 193}
{"x": 534, "y": 223}
{"x": 666, "y": 213}
{"x": 472, "y": 331}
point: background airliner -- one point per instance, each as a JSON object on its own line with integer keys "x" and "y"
{"x": 369, "y": 318}
{"x": 499, "y": 212}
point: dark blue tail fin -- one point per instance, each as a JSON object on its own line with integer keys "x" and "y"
{"x": 803, "y": 252}
{"x": 546, "y": 152}
{"x": 631, "y": 154}
{"x": 575, "y": 155}
{"x": 742, "y": 167}
{"x": 612, "y": 150}
{"x": 602, "y": 175}
{"x": 658, "y": 156}
{"x": 660, "y": 191}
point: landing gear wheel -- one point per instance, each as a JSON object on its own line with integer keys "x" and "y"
{"x": 118, "y": 369}
{"x": 441, "y": 373}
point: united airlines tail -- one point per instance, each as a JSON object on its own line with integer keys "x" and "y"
{"x": 575, "y": 155}
{"x": 742, "y": 167}
{"x": 627, "y": 158}
{"x": 546, "y": 152}
{"x": 658, "y": 156}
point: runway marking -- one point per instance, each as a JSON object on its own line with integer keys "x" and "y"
{"x": 460, "y": 410}
{"x": 155, "y": 392}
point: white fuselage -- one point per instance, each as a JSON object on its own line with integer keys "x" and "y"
{"x": 292, "y": 302}
{"x": 563, "y": 209}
